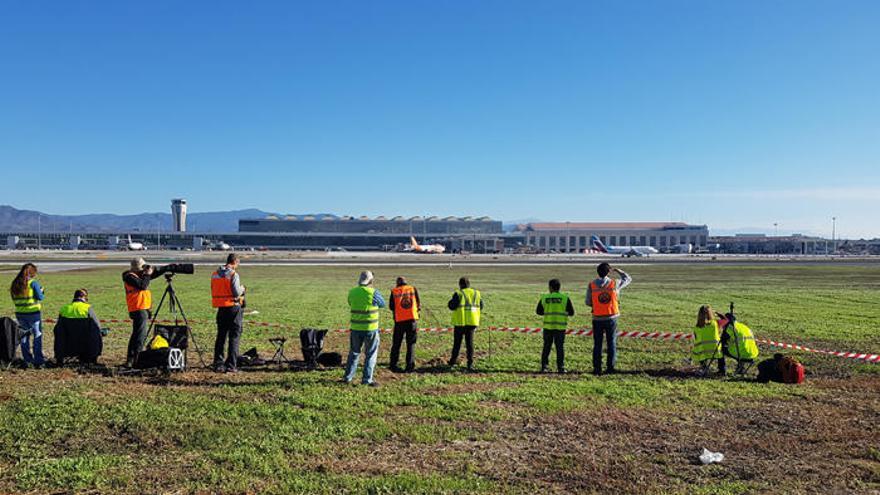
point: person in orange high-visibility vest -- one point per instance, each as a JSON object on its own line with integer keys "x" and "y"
{"x": 406, "y": 306}
{"x": 139, "y": 301}
{"x": 603, "y": 296}
{"x": 227, "y": 295}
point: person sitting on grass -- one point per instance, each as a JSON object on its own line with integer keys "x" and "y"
{"x": 78, "y": 331}
{"x": 738, "y": 342}
{"x": 707, "y": 341}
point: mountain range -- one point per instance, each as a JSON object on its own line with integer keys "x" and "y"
{"x": 15, "y": 220}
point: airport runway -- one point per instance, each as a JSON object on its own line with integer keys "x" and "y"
{"x": 68, "y": 260}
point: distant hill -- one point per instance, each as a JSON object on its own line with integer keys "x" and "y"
{"x": 15, "y": 220}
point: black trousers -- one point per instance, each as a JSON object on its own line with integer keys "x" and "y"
{"x": 140, "y": 325}
{"x": 552, "y": 337}
{"x": 408, "y": 330}
{"x": 467, "y": 333}
{"x": 229, "y": 327}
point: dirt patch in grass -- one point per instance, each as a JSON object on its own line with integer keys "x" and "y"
{"x": 817, "y": 445}
{"x": 465, "y": 388}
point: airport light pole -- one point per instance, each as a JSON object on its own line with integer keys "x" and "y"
{"x": 39, "y": 231}
{"x": 833, "y": 232}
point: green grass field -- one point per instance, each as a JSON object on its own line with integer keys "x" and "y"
{"x": 502, "y": 429}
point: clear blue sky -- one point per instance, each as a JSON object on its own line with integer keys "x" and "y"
{"x": 736, "y": 114}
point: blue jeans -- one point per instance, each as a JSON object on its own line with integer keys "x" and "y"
{"x": 31, "y": 327}
{"x": 369, "y": 340}
{"x": 606, "y": 329}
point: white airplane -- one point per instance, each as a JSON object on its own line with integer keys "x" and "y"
{"x": 627, "y": 251}
{"x": 220, "y": 246}
{"x": 133, "y": 246}
{"x": 414, "y": 247}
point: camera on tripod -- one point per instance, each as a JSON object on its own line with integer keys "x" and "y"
{"x": 172, "y": 269}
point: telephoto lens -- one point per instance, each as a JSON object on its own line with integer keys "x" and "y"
{"x": 184, "y": 268}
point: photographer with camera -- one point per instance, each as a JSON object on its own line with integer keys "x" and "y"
{"x": 227, "y": 295}
{"x": 139, "y": 300}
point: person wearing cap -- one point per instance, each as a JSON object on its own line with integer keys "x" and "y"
{"x": 139, "y": 300}
{"x": 364, "y": 302}
{"x": 466, "y": 304}
{"x": 556, "y": 308}
{"x": 405, "y": 305}
{"x": 603, "y": 296}
{"x": 78, "y": 331}
{"x": 227, "y": 295}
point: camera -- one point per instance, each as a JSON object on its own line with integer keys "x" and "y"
{"x": 173, "y": 268}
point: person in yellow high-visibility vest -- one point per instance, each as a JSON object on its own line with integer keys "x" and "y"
{"x": 364, "y": 302}
{"x": 27, "y": 297}
{"x": 78, "y": 331}
{"x": 707, "y": 341}
{"x": 556, "y": 308}
{"x": 466, "y": 305}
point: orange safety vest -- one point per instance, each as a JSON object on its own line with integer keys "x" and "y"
{"x": 405, "y": 306}
{"x": 137, "y": 299}
{"x": 221, "y": 290}
{"x": 604, "y": 299}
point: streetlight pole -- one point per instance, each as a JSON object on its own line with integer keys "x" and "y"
{"x": 833, "y": 233}
{"x": 39, "y": 231}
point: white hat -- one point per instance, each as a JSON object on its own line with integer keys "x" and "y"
{"x": 366, "y": 278}
{"x": 137, "y": 263}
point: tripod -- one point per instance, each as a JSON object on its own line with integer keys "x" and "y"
{"x": 174, "y": 307}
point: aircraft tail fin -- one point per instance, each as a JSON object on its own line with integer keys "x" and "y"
{"x": 598, "y": 245}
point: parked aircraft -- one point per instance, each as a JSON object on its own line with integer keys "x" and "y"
{"x": 414, "y": 247}
{"x": 627, "y": 251}
{"x": 133, "y": 246}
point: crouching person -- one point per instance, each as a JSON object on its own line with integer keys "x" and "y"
{"x": 707, "y": 342}
{"x": 78, "y": 331}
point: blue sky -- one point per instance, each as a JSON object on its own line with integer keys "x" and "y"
{"x": 734, "y": 114}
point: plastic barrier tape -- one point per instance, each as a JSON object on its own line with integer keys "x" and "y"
{"x": 583, "y": 332}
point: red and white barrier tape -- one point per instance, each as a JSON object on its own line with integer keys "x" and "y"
{"x": 871, "y": 358}
{"x": 583, "y": 332}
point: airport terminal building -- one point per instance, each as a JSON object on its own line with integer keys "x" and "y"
{"x": 409, "y": 226}
{"x": 569, "y": 237}
{"x": 472, "y": 234}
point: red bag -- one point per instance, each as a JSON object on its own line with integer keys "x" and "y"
{"x": 791, "y": 369}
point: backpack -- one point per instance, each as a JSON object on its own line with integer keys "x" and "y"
{"x": 791, "y": 369}
{"x": 9, "y": 338}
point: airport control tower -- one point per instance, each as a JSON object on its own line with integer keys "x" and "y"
{"x": 178, "y": 214}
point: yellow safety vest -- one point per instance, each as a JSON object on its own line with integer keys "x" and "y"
{"x": 76, "y": 310}
{"x": 555, "y": 305}
{"x": 468, "y": 311}
{"x": 27, "y": 303}
{"x": 364, "y": 314}
{"x": 741, "y": 344}
{"x": 707, "y": 342}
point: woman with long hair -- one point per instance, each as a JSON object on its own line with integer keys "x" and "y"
{"x": 27, "y": 295}
{"x": 707, "y": 341}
